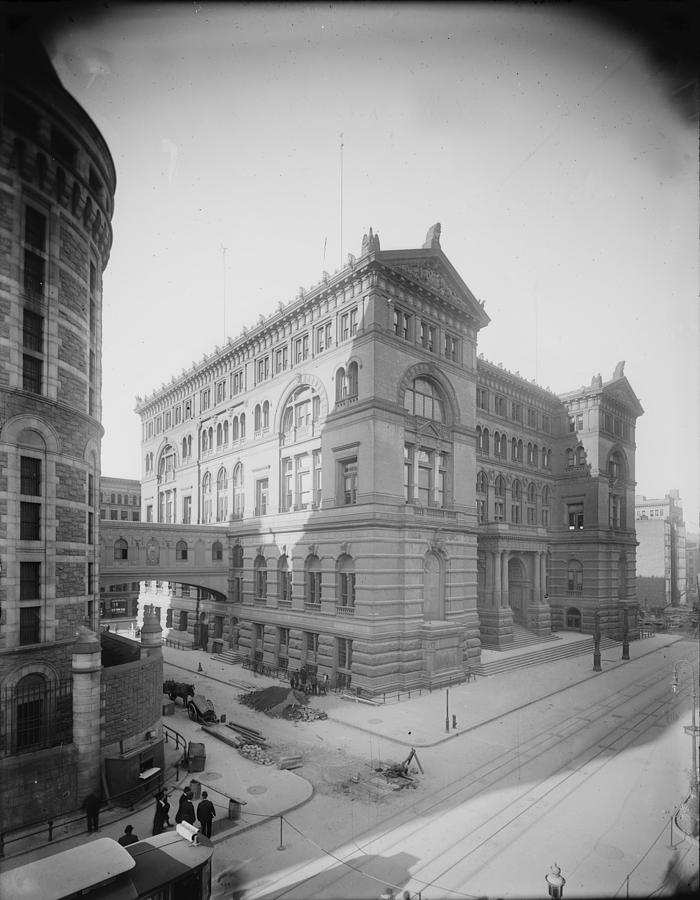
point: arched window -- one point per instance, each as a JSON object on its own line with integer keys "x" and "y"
{"x": 424, "y": 398}
{"x": 266, "y": 414}
{"x": 222, "y": 495}
{"x": 616, "y": 490}
{"x": 499, "y": 492}
{"x": 260, "y": 572}
{"x": 300, "y": 412}
{"x": 514, "y": 450}
{"x": 238, "y": 496}
{"x": 284, "y": 580}
{"x": 340, "y": 385}
{"x": 242, "y": 426}
{"x": 184, "y": 448}
{"x": 580, "y": 456}
{"x": 482, "y": 486}
{"x": 574, "y": 576}
{"x": 226, "y": 433}
{"x": 204, "y": 441}
{"x": 206, "y": 498}
{"x": 530, "y": 458}
{"x": 258, "y": 418}
{"x": 479, "y": 438}
{"x": 352, "y": 380}
{"x": 520, "y": 451}
{"x": 219, "y": 435}
{"x": 516, "y": 503}
{"x": 531, "y": 492}
{"x": 121, "y": 549}
{"x": 211, "y": 438}
{"x": 545, "y": 506}
{"x": 181, "y": 550}
{"x": 183, "y": 620}
{"x": 535, "y": 455}
{"x": 485, "y": 441}
{"x": 345, "y": 574}
{"x": 570, "y": 458}
{"x": 166, "y": 466}
{"x": 312, "y": 579}
{"x": 234, "y": 429}
{"x": 217, "y": 551}
{"x": 237, "y": 556}
{"x": 33, "y": 725}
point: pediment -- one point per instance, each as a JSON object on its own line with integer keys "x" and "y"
{"x": 431, "y": 270}
{"x": 621, "y": 393}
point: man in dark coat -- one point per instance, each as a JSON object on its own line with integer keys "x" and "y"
{"x": 205, "y": 814}
{"x": 185, "y": 812}
{"x": 161, "y": 818}
{"x": 91, "y": 805}
{"x": 128, "y": 837}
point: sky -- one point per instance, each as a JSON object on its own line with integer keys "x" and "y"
{"x": 546, "y": 140}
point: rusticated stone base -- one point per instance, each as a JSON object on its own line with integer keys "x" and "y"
{"x": 496, "y": 626}
{"x": 539, "y": 619}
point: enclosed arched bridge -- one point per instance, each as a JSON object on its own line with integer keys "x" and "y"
{"x": 143, "y": 551}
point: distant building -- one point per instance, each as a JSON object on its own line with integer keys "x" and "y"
{"x": 395, "y": 502}
{"x": 70, "y": 703}
{"x": 661, "y": 554}
{"x": 120, "y": 500}
{"x": 692, "y": 567}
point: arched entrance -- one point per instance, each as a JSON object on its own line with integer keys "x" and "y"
{"x": 517, "y": 590}
{"x": 573, "y": 618}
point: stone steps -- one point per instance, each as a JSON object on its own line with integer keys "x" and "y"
{"x": 563, "y": 650}
{"x": 522, "y": 638}
{"x": 232, "y": 657}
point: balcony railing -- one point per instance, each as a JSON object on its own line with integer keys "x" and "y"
{"x": 345, "y": 610}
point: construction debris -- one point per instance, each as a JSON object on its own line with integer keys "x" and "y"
{"x": 304, "y": 714}
{"x": 290, "y": 761}
{"x": 282, "y": 702}
{"x": 248, "y": 735}
{"x": 256, "y": 754}
{"x": 399, "y": 772}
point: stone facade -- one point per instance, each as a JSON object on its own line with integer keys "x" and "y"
{"x": 57, "y": 184}
{"x": 375, "y": 533}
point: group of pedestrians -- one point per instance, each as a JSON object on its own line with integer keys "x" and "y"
{"x": 308, "y": 682}
{"x": 186, "y": 812}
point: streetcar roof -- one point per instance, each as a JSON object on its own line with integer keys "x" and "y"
{"x": 68, "y": 872}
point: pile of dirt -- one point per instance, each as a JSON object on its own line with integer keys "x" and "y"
{"x": 274, "y": 700}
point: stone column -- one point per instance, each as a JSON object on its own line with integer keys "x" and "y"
{"x": 537, "y": 572}
{"x": 86, "y": 667}
{"x": 504, "y": 578}
{"x": 151, "y": 636}
{"x": 496, "y": 579}
{"x": 543, "y": 572}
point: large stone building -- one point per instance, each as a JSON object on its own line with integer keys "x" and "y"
{"x": 120, "y": 501}
{"x": 57, "y": 185}
{"x": 661, "y": 555}
{"x": 394, "y": 501}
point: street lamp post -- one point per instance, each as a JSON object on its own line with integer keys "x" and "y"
{"x": 693, "y": 731}
{"x": 555, "y": 882}
{"x": 596, "y": 644}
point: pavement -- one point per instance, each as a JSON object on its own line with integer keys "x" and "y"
{"x": 423, "y": 719}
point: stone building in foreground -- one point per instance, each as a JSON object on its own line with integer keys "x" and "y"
{"x": 57, "y": 727}
{"x": 395, "y": 502}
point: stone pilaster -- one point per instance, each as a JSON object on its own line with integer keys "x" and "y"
{"x": 86, "y": 669}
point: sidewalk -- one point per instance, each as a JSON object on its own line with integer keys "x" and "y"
{"x": 268, "y": 792}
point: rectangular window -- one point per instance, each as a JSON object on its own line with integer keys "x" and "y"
{"x": 34, "y": 273}
{"x": 261, "y": 490}
{"x": 545, "y": 517}
{"x": 187, "y": 408}
{"x": 482, "y": 398}
{"x": 408, "y": 473}
{"x": 515, "y": 513}
{"x": 517, "y": 411}
{"x": 263, "y": 369}
{"x": 344, "y": 653}
{"x": 348, "y": 475}
{"x": 29, "y": 581}
{"x": 450, "y": 347}
{"x": 574, "y": 512}
{"x": 546, "y": 424}
{"x": 30, "y": 476}
{"x": 186, "y": 510}
{"x": 402, "y": 324}
{"x": 499, "y": 405}
{"x": 167, "y": 420}
{"x": 220, "y": 391}
{"x": 531, "y": 515}
{"x": 136, "y": 516}
{"x": 237, "y": 383}
{"x": 113, "y": 515}
{"x": 90, "y": 578}
{"x": 531, "y": 418}
{"x": 32, "y": 331}
{"x": 29, "y": 521}
{"x": 324, "y": 337}
{"x": 35, "y": 228}
{"x": 287, "y": 484}
{"x": 29, "y": 625}
{"x": 177, "y": 413}
{"x": 124, "y": 515}
{"x": 301, "y": 349}
{"x": 91, "y": 528}
{"x": 91, "y": 490}
{"x": 281, "y": 360}
{"x": 62, "y": 148}
{"x": 498, "y": 510}
{"x": 427, "y": 336}
{"x": 31, "y": 374}
{"x": 317, "y": 478}
{"x": 205, "y": 399}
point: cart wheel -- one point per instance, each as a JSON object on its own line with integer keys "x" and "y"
{"x": 192, "y": 712}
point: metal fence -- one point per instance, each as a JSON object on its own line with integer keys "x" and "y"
{"x": 36, "y": 716}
